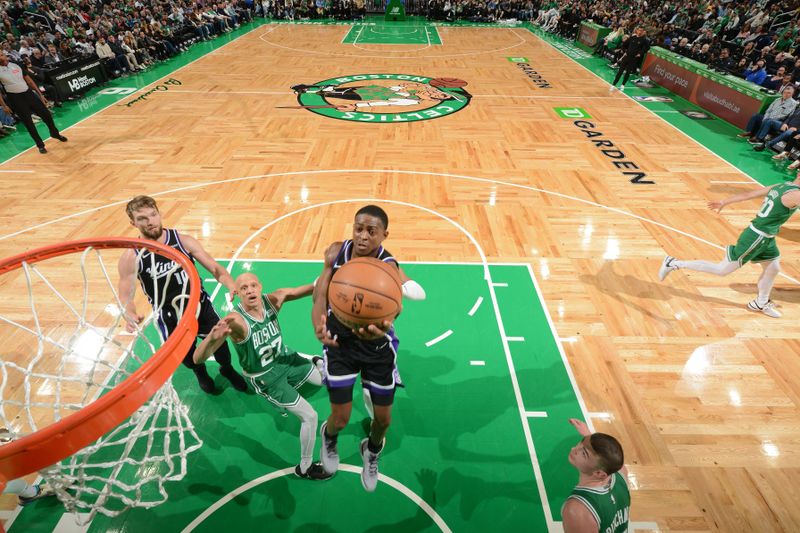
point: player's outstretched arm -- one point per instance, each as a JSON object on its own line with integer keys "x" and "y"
{"x": 280, "y": 296}
{"x": 210, "y": 264}
{"x": 232, "y": 326}
{"x": 717, "y": 205}
{"x": 127, "y": 289}
{"x": 319, "y": 311}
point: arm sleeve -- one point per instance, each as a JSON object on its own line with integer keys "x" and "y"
{"x": 413, "y": 290}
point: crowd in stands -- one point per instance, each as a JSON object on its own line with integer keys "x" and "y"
{"x": 127, "y": 35}
{"x": 757, "y": 40}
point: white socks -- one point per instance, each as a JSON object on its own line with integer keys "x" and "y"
{"x": 308, "y": 431}
{"x": 767, "y": 280}
{"x": 722, "y": 268}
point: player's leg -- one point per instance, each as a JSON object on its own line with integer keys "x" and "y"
{"x": 340, "y": 376}
{"x": 769, "y": 257}
{"x": 275, "y": 387}
{"x": 746, "y": 248}
{"x": 379, "y": 377}
{"x": 206, "y": 321}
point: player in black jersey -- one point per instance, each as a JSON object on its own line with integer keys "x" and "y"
{"x": 371, "y": 352}
{"x": 151, "y": 270}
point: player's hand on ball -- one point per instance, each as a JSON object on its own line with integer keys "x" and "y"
{"x": 374, "y": 331}
{"x": 323, "y": 334}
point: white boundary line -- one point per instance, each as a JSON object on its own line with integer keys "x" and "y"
{"x": 154, "y": 82}
{"x": 396, "y": 485}
{"x": 557, "y": 339}
{"x": 475, "y": 307}
{"x": 641, "y": 104}
{"x": 465, "y": 54}
{"x": 382, "y": 171}
{"x": 440, "y": 338}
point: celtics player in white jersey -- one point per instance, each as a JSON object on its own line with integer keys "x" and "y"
{"x": 274, "y": 370}
{"x": 601, "y": 501}
{"x": 756, "y": 243}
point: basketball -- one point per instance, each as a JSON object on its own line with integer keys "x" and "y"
{"x": 365, "y": 291}
{"x": 447, "y": 83}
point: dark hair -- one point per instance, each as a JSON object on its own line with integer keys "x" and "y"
{"x": 138, "y": 203}
{"x": 377, "y": 212}
{"x": 609, "y": 452}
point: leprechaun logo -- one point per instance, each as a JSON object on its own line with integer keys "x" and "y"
{"x": 383, "y": 97}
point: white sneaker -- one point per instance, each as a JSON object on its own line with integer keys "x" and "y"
{"x": 667, "y": 266}
{"x": 768, "y": 308}
{"x": 621, "y": 87}
{"x": 328, "y": 455}
{"x": 612, "y": 89}
{"x": 369, "y": 475}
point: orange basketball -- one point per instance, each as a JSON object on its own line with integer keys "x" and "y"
{"x": 447, "y": 83}
{"x": 365, "y": 291}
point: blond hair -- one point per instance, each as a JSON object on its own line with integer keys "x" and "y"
{"x": 140, "y": 202}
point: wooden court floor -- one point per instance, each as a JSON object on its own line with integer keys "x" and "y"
{"x": 702, "y": 393}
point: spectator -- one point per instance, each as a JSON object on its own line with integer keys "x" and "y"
{"x": 759, "y": 124}
{"x": 786, "y": 130}
{"x": 757, "y": 73}
{"x": 773, "y": 82}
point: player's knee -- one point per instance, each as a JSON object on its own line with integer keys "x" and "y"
{"x": 339, "y": 421}
{"x": 383, "y": 418}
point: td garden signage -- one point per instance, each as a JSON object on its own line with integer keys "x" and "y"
{"x": 604, "y": 145}
{"x": 383, "y": 97}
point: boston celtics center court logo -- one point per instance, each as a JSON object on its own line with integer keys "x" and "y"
{"x": 384, "y": 97}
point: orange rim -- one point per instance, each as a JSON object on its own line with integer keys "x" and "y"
{"x": 61, "y": 439}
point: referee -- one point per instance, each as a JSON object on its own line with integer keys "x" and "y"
{"x": 24, "y": 98}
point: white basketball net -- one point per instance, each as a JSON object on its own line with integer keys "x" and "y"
{"x": 62, "y": 345}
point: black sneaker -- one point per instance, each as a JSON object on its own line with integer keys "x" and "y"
{"x": 204, "y": 380}
{"x": 760, "y": 147}
{"x": 236, "y": 380}
{"x": 315, "y": 472}
{"x": 42, "y": 150}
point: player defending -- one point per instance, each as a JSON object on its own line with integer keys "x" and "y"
{"x": 601, "y": 501}
{"x": 756, "y": 243}
{"x": 274, "y": 370}
{"x": 150, "y": 268}
{"x": 372, "y": 352}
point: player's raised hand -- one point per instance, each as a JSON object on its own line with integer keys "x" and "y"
{"x": 716, "y": 205}
{"x": 220, "y": 330}
{"x": 581, "y": 426}
{"x": 323, "y": 334}
{"x": 374, "y": 331}
{"x": 279, "y": 296}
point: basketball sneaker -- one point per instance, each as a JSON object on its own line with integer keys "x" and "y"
{"x": 328, "y": 455}
{"x": 667, "y": 266}
{"x": 41, "y": 492}
{"x": 315, "y": 472}
{"x": 768, "y": 308}
{"x": 369, "y": 475}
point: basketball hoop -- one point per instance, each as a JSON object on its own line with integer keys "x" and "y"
{"x": 123, "y": 410}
